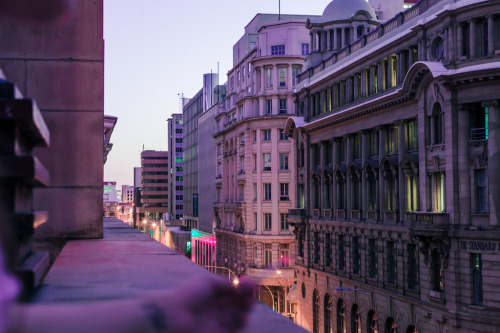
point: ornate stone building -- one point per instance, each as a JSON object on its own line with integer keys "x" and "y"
{"x": 397, "y": 135}
{"x": 254, "y": 177}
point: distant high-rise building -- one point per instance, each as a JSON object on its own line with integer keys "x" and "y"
{"x": 191, "y": 158}
{"x": 176, "y": 175}
{"x": 154, "y": 183}
{"x": 127, "y": 194}
{"x": 137, "y": 177}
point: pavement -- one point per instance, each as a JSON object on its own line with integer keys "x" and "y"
{"x": 126, "y": 263}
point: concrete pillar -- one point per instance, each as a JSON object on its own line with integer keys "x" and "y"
{"x": 472, "y": 38}
{"x": 463, "y": 164}
{"x": 411, "y": 58}
{"x": 363, "y": 83}
{"x": 491, "y": 35}
{"x": 263, "y": 79}
{"x": 493, "y": 160}
{"x": 311, "y": 36}
{"x": 391, "y": 63}
{"x": 447, "y": 44}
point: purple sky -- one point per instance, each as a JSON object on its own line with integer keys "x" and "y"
{"x": 156, "y": 49}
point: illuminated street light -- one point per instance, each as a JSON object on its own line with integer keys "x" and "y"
{"x": 236, "y": 281}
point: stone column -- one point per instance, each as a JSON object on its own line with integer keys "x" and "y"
{"x": 349, "y": 155}
{"x": 263, "y": 79}
{"x": 400, "y": 201}
{"x": 348, "y": 89}
{"x": 493, "y": 160}
{"x": 362, "y": 78}
{"x": 381, "y": 76}
{"x": 447, "y": 44}
{"x": 411, "y": 58}
{"x": 460, "y": 40}
{"x": 356, "y": 83}
{"x": 343, "y": 37}
{"x": 364, "y": 158}
{"x": 311, "y": 44}
{"x": 323, "y": 41}
{"x": 381, "y": 155}
{"x": 335, "y": 39}
{"x": 335, "y": 159}
{"x": 329, "y": 39}
{"x": 390, "y": 65}
{"x": 472, "y": 38}
{"x": 491, "y": 34}
{"x": 372, "y": 79}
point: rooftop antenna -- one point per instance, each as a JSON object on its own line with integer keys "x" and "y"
{"x": 279, "y": 10}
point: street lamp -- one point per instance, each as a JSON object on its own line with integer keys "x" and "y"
{"x": 236, "y": 281}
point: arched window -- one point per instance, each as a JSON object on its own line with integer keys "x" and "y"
{"x": 390, "y": 326}
{"x": 436, "y": 125}
{"x": 372, "y": 322}
{"x": 355, "y": 319}
{"x": 411, "y": 329}
{"x": 315, "y": 311}
{"x": 340, "y": 316}
{"x": 328, "y": 314}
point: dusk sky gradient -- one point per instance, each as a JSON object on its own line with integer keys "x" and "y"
{"x": 156, "y": 49}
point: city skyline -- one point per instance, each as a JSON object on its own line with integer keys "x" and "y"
{"x": 142, "y": 117}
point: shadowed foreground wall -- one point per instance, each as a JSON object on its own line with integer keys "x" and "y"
{"x": 61, "y": 66}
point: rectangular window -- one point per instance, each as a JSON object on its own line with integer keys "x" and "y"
{"x": 268, "y": 255}
{"x": 411, "y": 193}
{"x": 278, "y": 49}
{"x": 284, "y": 221}
{"x": 392, "y": 140}
{"x": 373, "y": 144}
{"x": 282, "y": 72}
{"x": 372, "y": 259}
{"x": 342, "y": 150}
{"x": 266, "y": 135}
{"x": 269, "y": 106}
{"x": 411, "y": 135}
{"x": 254, "y": 136}
{"x": 283, "y": 108}
{"x": 269, "y": 78}
{"x": 254, "y": 192}
{"x": 283, "y": 136}
{"x": 267, "y": 221}
{"x": 254, "y": 162}
{"x": 357, "y": 147}
{"x": 295, "y": 74}
{"x": 481, "y": 198}
{"x": 305, "y": 49}
{"x": 256, "y": 221}
{"x": 437, "y": 271}
{"x": 283, "y": 161}
{"x": 267, "y": 161}
{"x": 284, "y": 192}
{"x": 285, "y": 256}
{"x": 412, "y": 256}
{"x": 477, "y": 278}
{"x": 391, "y": 262}
{"x": 267, "y": 192}
{"x": 328, "y": 250}
{"x": 316, "y": 257}
{"x": 242, "y": 164}
{"x": 438, "y": 188}
{"x": 341, "y": 252}
{"x": 356, "y": 257}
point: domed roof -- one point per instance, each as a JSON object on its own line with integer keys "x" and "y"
{"x": 345, "y": 9}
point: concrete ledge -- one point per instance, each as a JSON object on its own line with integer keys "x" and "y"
{"x": 127, "y": 263}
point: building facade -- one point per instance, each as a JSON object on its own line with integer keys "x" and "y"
{"x": 127, "y": 194}
{"x": 154, "y": 185}
{"x": 396, "y": 138}
{"x": 254, "y": 179}
{"x": 176, "y": 179}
